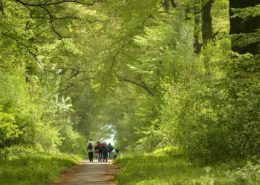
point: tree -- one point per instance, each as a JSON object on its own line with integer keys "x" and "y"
{"x": 197, "y": 27}
{"x": 244, "y": 27}
{"x": 207, "y": 29}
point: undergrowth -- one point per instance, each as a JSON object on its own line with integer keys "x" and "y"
{"x": 167, "y": 169}
{"x": 29, "y": 167}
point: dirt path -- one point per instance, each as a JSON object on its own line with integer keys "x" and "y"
{"x": 89, "y": 174}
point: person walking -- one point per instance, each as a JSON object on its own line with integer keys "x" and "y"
{"x": 110, "y": 149}
{"x": 115, "y": 153}
{"x": 90, "y": 149}
{"x": 96, "y": 148}
{"x": 105, "y": 152}
{"x": 99, "y": 149}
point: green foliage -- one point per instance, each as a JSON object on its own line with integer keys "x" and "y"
{"x": 241, "y": 115}
{"x": 70, "y": 71}
{"x": 28, "y": 167}
{"x": 169, "y": 151}
{"x": 31, "y": 90}
{"x": 8, "y": 129}
{"x": 246, "y": 13}
{"x": 199, "y": 107}
{"x": 244, "y": 39}
{"x": 151, "y": 168}
{"x": 166, "y": 170}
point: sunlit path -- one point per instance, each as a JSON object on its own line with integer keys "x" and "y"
{"x": 87, "y": 173}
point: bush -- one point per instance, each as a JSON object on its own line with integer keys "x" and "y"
{"x": 8, "y": 129}
{"x": 169, "y": 151}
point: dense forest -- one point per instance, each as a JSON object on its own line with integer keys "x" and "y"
{"x": 178, "y": 74}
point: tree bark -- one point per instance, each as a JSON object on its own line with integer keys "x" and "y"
{"x": 238, "y": 25}
{"x": 197, "y": 23}
{"x": 207, "y": 29}
{"x": 1, "y": 6}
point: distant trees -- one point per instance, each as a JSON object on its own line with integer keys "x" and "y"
{"x": 70, "y": 68}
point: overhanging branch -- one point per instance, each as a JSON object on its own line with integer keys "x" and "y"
{"x": 51, "y": 22}
{"x": 57, "y": 3}
{"x": 34, "y": 55}
{"x": 62, "y": 18}
{"x": 141, "y": 84}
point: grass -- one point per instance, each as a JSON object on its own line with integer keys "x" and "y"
{"x": 154, "y": 169}
{"x": 34, "y": 169}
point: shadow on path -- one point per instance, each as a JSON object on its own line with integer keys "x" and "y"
{"x": 87, "y": 173}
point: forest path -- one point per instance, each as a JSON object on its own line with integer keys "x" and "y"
{"x": 87, "y": 173}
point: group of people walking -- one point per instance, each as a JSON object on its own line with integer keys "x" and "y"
{"x": 102, "y": 151}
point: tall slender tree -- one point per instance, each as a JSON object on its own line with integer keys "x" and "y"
{"x": 207, "y": 29}
{"x": 197, "y": 23}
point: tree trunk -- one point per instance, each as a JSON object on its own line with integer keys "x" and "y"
{"x": 197, "y": 23}
{"x": 1, "y": 6}
{"x": 237, "y": 26}
{"x": 166, "y": 4}
{"x": 207, "y": 29}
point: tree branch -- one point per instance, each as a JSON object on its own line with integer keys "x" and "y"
{"x": 24, "y": 45}
{"x": 73, "y": 84}
{"x": 142, "y": 84}
{"x": 57, "y": 3}
{"x": 54, "y": 29}
{"x": 61, "y": 18}
{"x": 51, "y": 22}
{"x": 114, "y": 60}
{"x": 216, "y": 33}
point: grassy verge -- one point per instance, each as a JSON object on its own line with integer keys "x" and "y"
{"x": 34, "y": 169}
{"x": 166, "y": 170}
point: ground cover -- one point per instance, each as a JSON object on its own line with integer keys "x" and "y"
{"x": 157, "y": 169}
{"x": 32, "y": 168}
